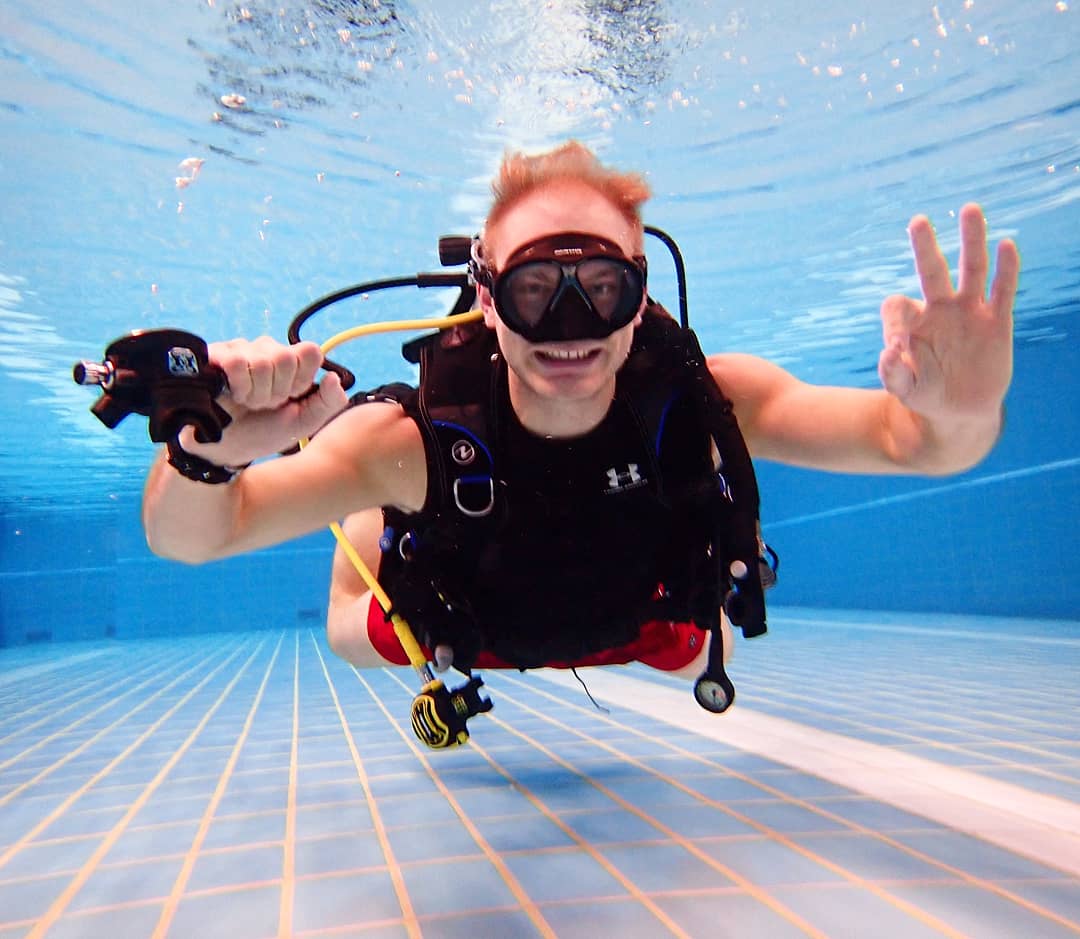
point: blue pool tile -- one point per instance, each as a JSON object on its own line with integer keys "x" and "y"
{"x": 878, "y": 816}
{"x": 329, "y": 902}
{"x": 131, "y": 921}
{"x": 240, "y": 830}
{"x": 325, "y": 772}
{"x": 766, "y": 862}
{"x": 118, "y": 885}
{"x": 1061, "y": 897}
{"x": 501, "y": 924}
{"x": 162, "y": 811}
{"x": 665, "y": 867}
{"x": 978, "y": 912}
{"x": 607, "y": 826}
{"x": 75, "y": 824}
{"x": 456, "y": 887}
{"x": 868, "y": 857}
{"x": 975, "y": 856}
{"x": 332, "y": 793}
{"x": 725, "y": 914}
{"x": 565, "y": 875}
{"x": 532, "y": 832}
{"x": 315, "y": 821}
{"x": 788, "y": 818}
{"x": 409, "y": 810}
{"x": 401, "y": 784}
{"x": 30, "y": 899}
{"x": 627, "y": 919}
{"x": 647, "y": 792}
{"x": 142, "y": 843}
{"x": 494, "y": 801}
{"x": 432, "y": 842}
{"x": 250, "y": 912}
{"x": 338, "y": 853}
{"x": 725, "y": 788}
{"x": 258, "y": 800}
{"x": 1039, "y": 782}
{"x": 851, "y": 912}
{"x": 801, "y": 785}
{"x": 242, "y": 866}
{"x": 568, "y": 792}
{"x": 695, "y": 820}
{"x": 52, "y": 858}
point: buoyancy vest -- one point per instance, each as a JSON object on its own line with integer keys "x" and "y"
{"x": 544, "y": 550}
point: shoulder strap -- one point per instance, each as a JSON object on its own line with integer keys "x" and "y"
{"x": 673, "y": 357}
{"x": 454, "y": 410}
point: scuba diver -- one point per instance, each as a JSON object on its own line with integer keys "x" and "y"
{"x": 571, "y": 482}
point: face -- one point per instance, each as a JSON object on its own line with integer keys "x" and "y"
{"x": 566, "y": 371}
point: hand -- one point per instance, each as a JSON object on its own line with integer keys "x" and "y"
{"x": 271, "y": 397}
{"x": 950, "y": 356}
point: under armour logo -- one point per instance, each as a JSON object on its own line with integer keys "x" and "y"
{"x": 182, "y": 361}
{"x": 463, "y": 452}
{"x": 621, "y": 480}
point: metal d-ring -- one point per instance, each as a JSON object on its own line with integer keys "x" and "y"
{"x": 475, "y": 513}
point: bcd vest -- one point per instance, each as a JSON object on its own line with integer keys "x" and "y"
{"x": 549, "y": 550}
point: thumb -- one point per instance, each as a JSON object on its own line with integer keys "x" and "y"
{"x": 444, "y": 657}
{"x": 895, "y": 370}
{"x": 327, "y": 400}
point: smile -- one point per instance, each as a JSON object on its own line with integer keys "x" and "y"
{"x": 567, "y": 355}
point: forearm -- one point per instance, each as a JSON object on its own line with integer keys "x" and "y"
{"x": 187, "y": 520}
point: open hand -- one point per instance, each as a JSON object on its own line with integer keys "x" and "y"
{"x": 949, "y": 356}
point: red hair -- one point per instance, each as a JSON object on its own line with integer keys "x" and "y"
{"x": 520, "y": 175}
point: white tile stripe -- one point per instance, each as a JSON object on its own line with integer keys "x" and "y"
{"x": 1041, "y": 827}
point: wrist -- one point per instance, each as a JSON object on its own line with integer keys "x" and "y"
{"x": 198, "y": 468}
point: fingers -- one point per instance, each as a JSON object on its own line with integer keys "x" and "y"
{"x": 930, "y": 263}
{"x": 444, "y": 658}
{"x": 974, "y": 258}
{"x": 1006, "y": 278}
{"x": 264, "y": 374}
{"x": 899, "y": 317}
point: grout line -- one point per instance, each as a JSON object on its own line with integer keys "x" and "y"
{"x": 44, "y": 823}
{"x": 910, "y": 783}
{"x": 172, "y": 901}
{"x": 754, "y": 890}
{"x": 80, "y": 697}
{"x": 412, "y": 925}
{"x": 288, "y": 867}
{"x": 60, "y": 903}
{"x": 115, "y": 697}
{"x": 521, "y": 895}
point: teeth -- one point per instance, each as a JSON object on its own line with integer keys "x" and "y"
{"x": 566, "y": 354}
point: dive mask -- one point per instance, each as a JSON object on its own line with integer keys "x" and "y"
{"x": 565, "y": 287}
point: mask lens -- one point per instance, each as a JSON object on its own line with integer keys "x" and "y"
{"x": 528, "y": 290}
{"x": 613, "y": 287}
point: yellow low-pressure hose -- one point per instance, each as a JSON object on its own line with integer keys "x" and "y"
{"x": 402, "y": 629}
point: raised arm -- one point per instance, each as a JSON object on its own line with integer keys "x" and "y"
{"x": 945, "y": 367}
{"x": 366, "y": 457}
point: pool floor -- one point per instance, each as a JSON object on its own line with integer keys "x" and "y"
{"x": 881, "y": 774}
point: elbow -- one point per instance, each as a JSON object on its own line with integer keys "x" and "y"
{"x": 337, "y": 633}
{"x": 170, "y": 550}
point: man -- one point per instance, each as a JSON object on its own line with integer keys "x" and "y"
{"x": 558, "y": 263}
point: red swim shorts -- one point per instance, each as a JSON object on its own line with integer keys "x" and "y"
{"x": 660, "y": 644}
